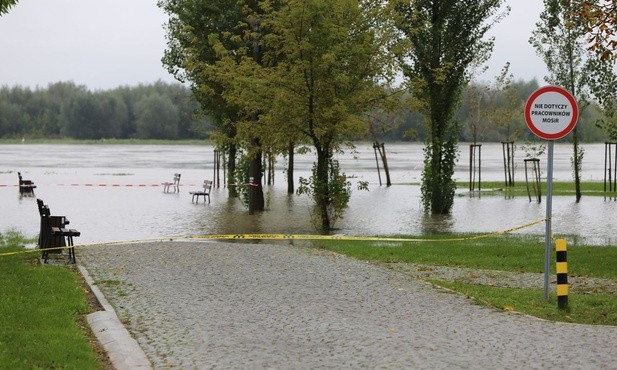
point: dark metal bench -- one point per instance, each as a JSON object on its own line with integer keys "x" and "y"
{"x": 202, "y": 193}
{"x": 69, "y": 234}
{"x": 53, "y": 234}
{"x": 175, "y": 184}
{"x": 26, "y": 187}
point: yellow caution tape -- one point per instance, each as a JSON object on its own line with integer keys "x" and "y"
{"x": 288, "y": 237}
{"x": 351, "y": 237}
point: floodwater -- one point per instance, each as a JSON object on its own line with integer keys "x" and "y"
{"x": 113, "y": 193}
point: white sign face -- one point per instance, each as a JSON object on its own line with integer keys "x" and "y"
{"x": 551, "y": 112}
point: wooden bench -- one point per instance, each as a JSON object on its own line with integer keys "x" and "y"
{"x": 175, "y": 184}
{"x": 202, "y": 193}
{"x": 69, "y": 234}
{"x": 26, "y": 187}
{"x": 54, "y": 242}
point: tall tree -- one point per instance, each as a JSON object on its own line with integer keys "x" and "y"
{"x": 559, "y": 38}
{"x": 445, "y": 36}
{"x": 190, "y": 56}
{"x": 325, "y": 61}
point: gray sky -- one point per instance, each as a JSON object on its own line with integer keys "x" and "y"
{"x": 104, "y": 44}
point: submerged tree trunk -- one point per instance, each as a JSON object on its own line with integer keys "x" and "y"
{"x": 231, "y": 170}
{"x": 322, "y": 194}
{"x": 290, "y": 169}
{"x": 256, "y": 194}
{"x": 576, "y": 163}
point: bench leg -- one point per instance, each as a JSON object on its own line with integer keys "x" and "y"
{"x": 71, "y": 249}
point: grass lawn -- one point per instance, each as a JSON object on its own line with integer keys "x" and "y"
{"x": 504, "y": 253}
{"x": 42, "y": 314}
{"x": 588, "y": 188}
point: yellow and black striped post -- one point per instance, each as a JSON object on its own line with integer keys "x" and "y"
{"x": 561, "y": 268}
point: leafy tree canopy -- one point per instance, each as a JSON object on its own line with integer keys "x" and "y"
{"x": 5, "y": 5}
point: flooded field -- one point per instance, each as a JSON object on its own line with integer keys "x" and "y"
{"x": 114, "y": 193}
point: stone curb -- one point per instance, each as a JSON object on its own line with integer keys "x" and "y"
{"x": 122, "y": 349}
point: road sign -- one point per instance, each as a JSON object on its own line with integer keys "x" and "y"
{"x": 551, "y": 112}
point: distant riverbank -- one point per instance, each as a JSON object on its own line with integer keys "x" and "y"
{"x": 103, "y": 141}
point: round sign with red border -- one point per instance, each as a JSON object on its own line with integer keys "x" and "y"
{"x": 551, "y": 112}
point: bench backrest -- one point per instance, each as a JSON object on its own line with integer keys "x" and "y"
{"x": 42, "y": 206}
{"x": 207, "y": 186}
{"x": 177, "y": 178}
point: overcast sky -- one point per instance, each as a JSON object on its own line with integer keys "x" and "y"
{"x": 104, "y": 44}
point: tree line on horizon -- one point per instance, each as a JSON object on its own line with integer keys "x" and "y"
{"x": 168, "y": 111}
{"x": 66, "y": 110}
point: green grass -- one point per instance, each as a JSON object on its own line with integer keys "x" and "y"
{"x": 504, "y": 253}
{"x": 596, "y": 309}
{"x": 589, "y": 188}
{"x": 41, "y": 313}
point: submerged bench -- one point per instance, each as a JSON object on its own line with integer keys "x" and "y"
{"x": 26, "y": 187}
{"x": 175, "y": 184}
{"x": 207, "y": 186}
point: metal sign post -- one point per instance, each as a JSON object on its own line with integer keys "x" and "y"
{"x": 549, "y": 215}
{"x": 551, "y": 113}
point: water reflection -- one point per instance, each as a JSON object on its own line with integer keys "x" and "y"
{"x": 131, "y": 204}
{"x": 432, "y": 224}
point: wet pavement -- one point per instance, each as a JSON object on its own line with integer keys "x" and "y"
{"x": 205, "y": 305}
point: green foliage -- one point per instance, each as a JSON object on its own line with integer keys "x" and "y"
{"x": 156, "y": 118}
{"x": 533, "y": 148}
{"x": 560, "y": 39}
{"x": 438, "y": 185}
{"x": 36, "y": 114}
{"x": 65, "y": 110}
{"x": 241, "y": 177}
{"x": 318, "y": 72}
{"x": 11, "y": 238}
{"x": 5, "y": 5}
{"x": 576, "y": 161}
{"x": 603, "y": 86}
{"x": 198, "y": 33}
{"x": 445, "y": 38}
{"x": 331, "y": 196}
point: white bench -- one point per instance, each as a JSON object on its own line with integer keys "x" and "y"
{"x": 202, "y": 193}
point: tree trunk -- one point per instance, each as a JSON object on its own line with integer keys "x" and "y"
{"x": 322, "y": 195}
{"x": 576, "y": 163}
{"x": 256, "y": 193}
{"x": 231, "y": 166}
{"x": 290, "y": 169}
